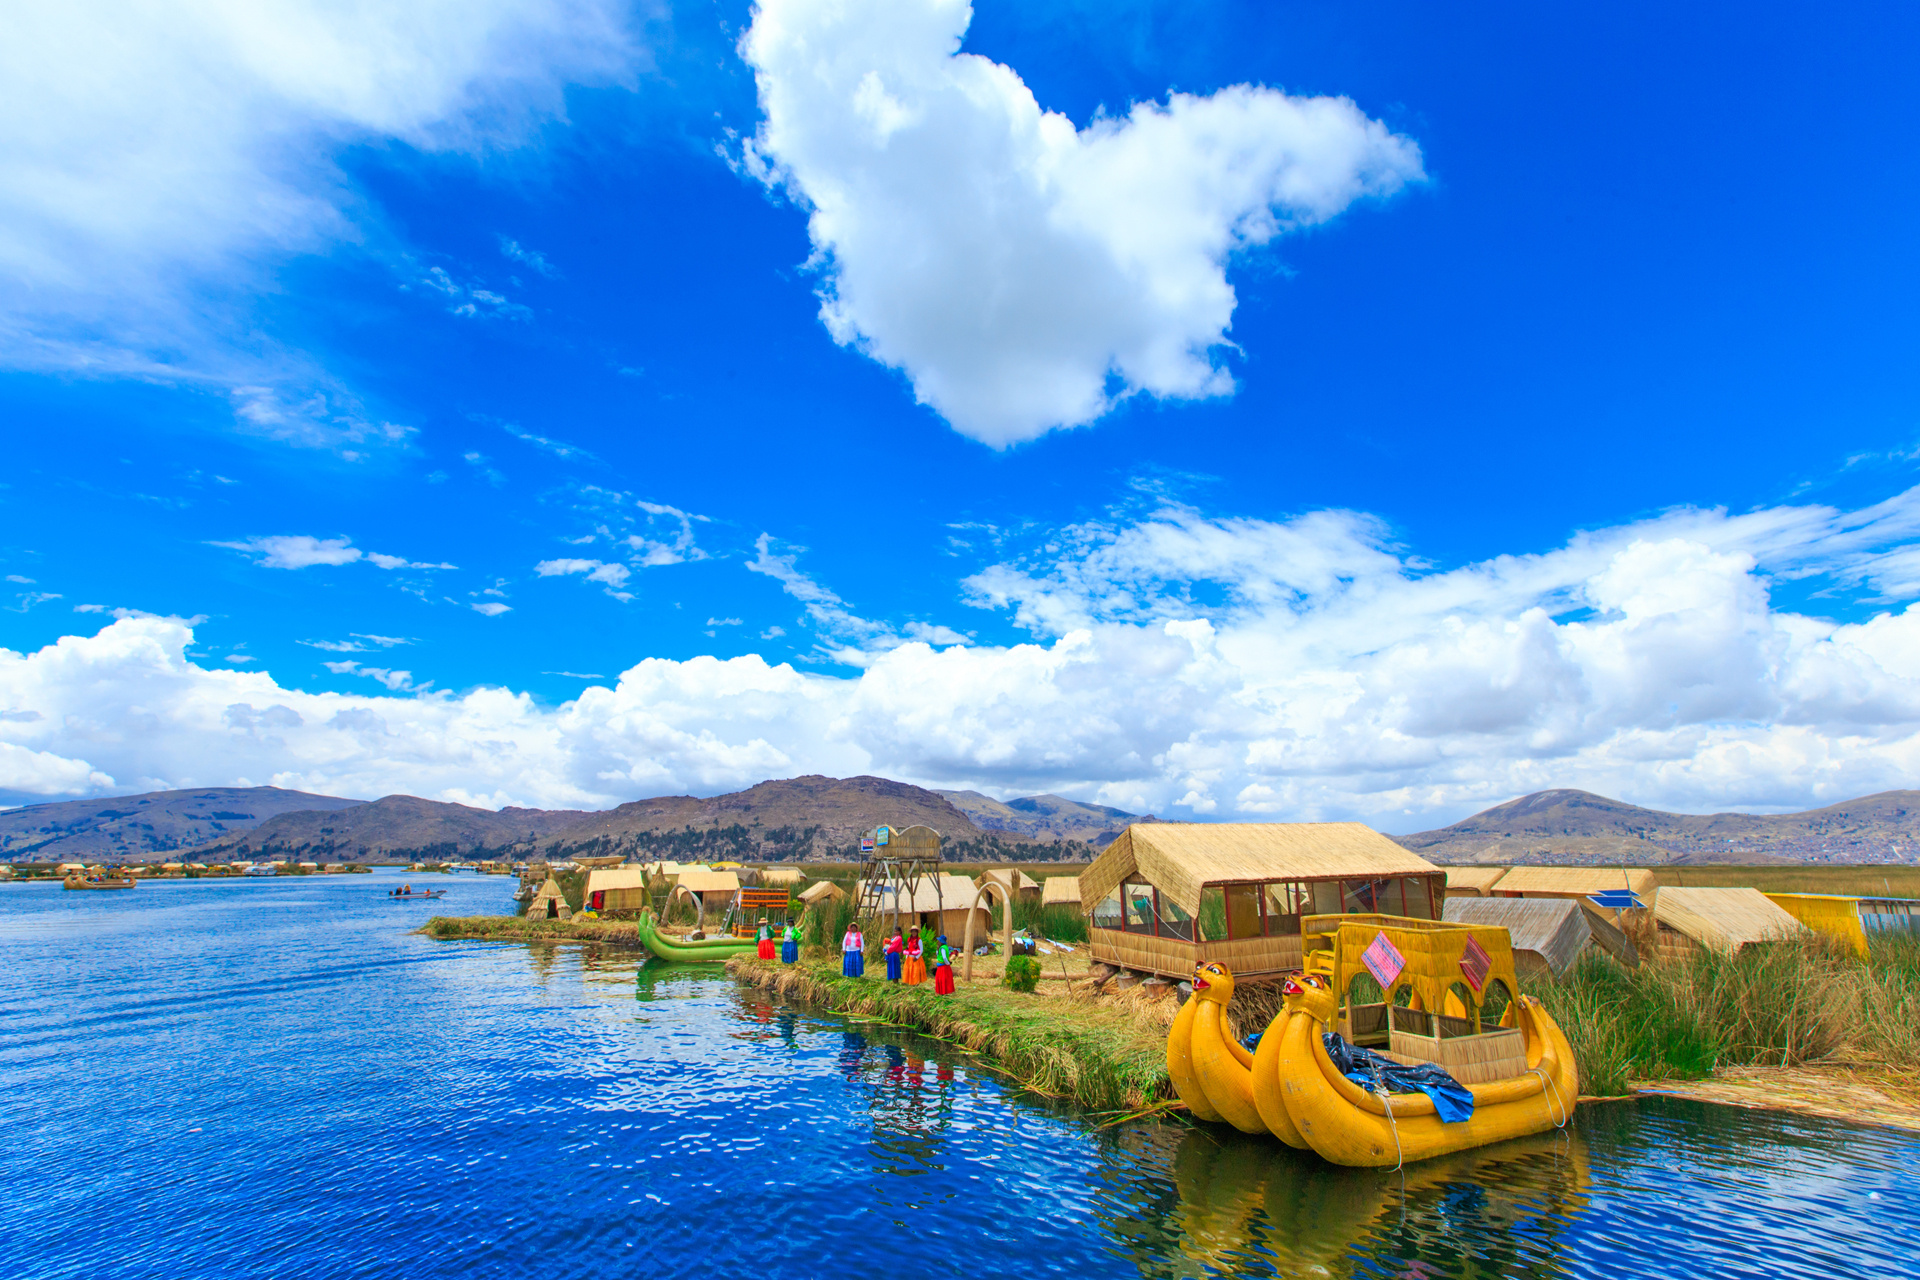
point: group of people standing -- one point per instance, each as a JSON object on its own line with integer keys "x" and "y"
{"x": 906, "y": 958}
{"x": 789, "y": 942}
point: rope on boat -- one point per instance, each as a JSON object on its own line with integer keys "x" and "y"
{"x": 1552, "y": 1093}
{"x": 1393, "y": 1122}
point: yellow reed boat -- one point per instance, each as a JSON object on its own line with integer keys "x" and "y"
{"x": 1414, "y": 992}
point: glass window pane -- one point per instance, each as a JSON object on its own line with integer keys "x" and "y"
{"x": 1106, "y": 912}
{"x": 1174, "y": 920}
{"x": 1326, "y": 898}
{"x": 1139, "y": 907}
{"x": 1243, "y": 910}
{"x": 1359, "y": 897}
{"x": 1387, "y": 899}
{"x": 1417, "y": 904}
{"x": 1213, "y": 915}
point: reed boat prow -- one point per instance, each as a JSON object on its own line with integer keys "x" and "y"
{"x": 1378, "y": 981}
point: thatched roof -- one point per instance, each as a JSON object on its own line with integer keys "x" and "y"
{"x": 774, "y": 876}
{"x": 1179, "y": 857}
{"x": 821, "y": 891}
{"x": 1723, "y": 919}
{"x": 1577, "y": 882}
{"x": 1060, "y": 890}
{"x": 606, "y": 878}
{"x": 704, "y": 882}
{"x": 1473, "y": 879}
{"x": 1014, "y": 880}
{"x": 1553, "y": 929}
{"x": 954, "y": 893}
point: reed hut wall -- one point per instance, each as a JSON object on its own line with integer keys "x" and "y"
{"x": 1060, "y": 891}
{"x": 1548, "y": 934}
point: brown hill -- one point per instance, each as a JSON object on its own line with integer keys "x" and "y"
{"x": 394, "y": 827}
{"x": 133, "y": 827}
{"x": 1044, "y": 817}
{"x": 1567, "y": 825}
{"x": 785, "y": 819}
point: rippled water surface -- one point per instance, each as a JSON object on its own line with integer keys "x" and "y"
{"x": 278, "y": 1078}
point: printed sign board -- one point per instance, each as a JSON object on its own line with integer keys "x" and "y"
{"x": 866, "y": 844}
{"x": 880, "y": 834}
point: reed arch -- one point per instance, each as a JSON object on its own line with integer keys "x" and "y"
{"x": 988, "y": 888}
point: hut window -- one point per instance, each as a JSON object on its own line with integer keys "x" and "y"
{"x": 1419, "y": 900}
{"x": 1359, "y": 897}
{"x": 1243, "y": 910}
{"x": 1139, "y": 907}
{"x": 1285, "y": 903}
{"x": 1387, "y": 897}
{"x": 1495, "y": 1007}
{"x": 1174, "y": 920}
{"x": 1106, "y": 912}
{"x": 1326, "y": 897}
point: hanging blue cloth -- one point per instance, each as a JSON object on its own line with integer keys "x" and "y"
{"x": 1452, "y": 1101}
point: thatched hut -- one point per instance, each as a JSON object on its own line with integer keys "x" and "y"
{"x": 1166, "y": 896}
{"x": 1547, "y": 934}
{"x": 711, "y": 891}
{"x": 821, "y": 891}
{"x": 1575, "y": 882}
{"x": 618, "y": 888}
{"x": 549, "y": 903}
{"x": 781, "y": 877}
{"x": 1020, "y": 886}
{"x": 1723, "y": 920}
{"x": 1472, "y": 882}
{"x": 1060, "y": 891}
{"x": 939, "y": 904}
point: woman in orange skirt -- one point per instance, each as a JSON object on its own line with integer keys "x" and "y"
{"x": 914, "y": 971}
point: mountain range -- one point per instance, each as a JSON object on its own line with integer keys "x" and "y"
{"x": 1570, "y": 827}
{"x": 822, "y": 818}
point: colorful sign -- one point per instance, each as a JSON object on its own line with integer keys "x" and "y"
{"x": 866, "y": 844}
{"x": 1474, "y": 963}
{"x": 1383, "y": 961}
{"x": 881, "y": 834}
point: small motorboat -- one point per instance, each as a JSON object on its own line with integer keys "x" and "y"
{"x": 98, "y": 882}
{"x": 410, "y": 893}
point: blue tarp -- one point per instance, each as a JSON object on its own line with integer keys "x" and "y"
{"x": 1452, "y": 1101}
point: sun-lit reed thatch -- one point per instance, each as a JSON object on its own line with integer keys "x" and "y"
{"x": 1179, "y": 857}
{"x": 1578, "y": 882}
{"x": 1472, "y": 881}
{"x": 1060, "y": 891}
{"x": 1723, "y": 920}
{"x": 1547, "y": 934}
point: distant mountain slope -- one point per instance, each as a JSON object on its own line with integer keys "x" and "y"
{"x": 788, "y": 818}
{"x": 1044, "y": 817}
{"x": 126, "y": 827}
{"x": 393, "y": 827}
{"x": 1567, "y": 825}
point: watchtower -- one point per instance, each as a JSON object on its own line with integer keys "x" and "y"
{"x": 897, "y": 864}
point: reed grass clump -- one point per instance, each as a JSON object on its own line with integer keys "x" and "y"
{"x": 1058, "y": 923}
{"x": 1100, "y": 1058}
{"x": 1784, "y": 1003}
{"x": 521, "y": 929}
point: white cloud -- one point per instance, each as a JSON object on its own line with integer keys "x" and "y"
{"x": 514, "y": 251}
{"x": 492, "y": 608}
{"x": 158, "y": 162}
{"x": 469, "y": 299}
{"x": 24, "y": 581}
{"x": 304, "y": 551}
{"x": 1330, "y": 675}
{"x": 1017, "y": 269}
{"x": 723, "y": 622}
{"x": 28, "y": 599}
{"x": 612, "y": 576}
{"x": 558, "y": 448}
{"x": 398, "y": 681}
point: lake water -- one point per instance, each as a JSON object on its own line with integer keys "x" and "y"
{"x": 277, "y": 1078}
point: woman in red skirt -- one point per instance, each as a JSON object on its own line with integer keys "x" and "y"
{"x": 943, "y": 968}
{"x": 766, "y": 950}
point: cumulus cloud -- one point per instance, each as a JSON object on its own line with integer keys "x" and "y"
{"x": 304, "y": 551}
{"x": 491, "y": 608}
{"x": 1181, "y": 661}
{"x": 158, "y": 162}
{"x": 1022, "y": 272}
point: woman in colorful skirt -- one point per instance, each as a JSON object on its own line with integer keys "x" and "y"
{"x": 896, "y": 949}
{"x": 913, "y": 971}
{"x": 765, "y": 936}
{"x": 853, "y": 947}
{"x": 790, "y": 944}
{"x": 943, "y": 968}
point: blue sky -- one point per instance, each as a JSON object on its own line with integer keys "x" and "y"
{"x": 1558, "y": 430}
